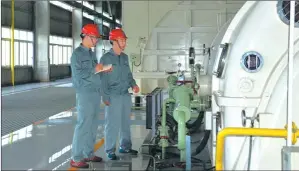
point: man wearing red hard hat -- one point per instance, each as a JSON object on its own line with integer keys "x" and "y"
{"x": 86, "y": 82}
{"x": 116, "y": 96}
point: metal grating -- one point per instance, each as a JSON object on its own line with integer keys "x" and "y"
{"x": 23, "y": 109}
{"x": 283, "y": 10}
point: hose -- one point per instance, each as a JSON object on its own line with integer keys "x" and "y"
{"x": 196, "y": 124}
{"x": 203, "y": 143}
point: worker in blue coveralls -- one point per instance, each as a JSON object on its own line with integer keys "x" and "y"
{"x": 86, "y": 82}
{"x": 118, "y": 102}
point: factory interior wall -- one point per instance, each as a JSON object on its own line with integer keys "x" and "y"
{"x": 163, "y": 24}
{"x": 60, "y": 25}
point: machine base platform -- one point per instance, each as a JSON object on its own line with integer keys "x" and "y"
{"x": 200, "y": 161}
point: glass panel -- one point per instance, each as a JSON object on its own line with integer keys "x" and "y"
{"x": 22, "y": 53}
{"x": 54, "y": 39}
{"x": 70, "y": 42}
{"x": 5, "y": 32}
{"x": 16, "y": 36}
{"x": 30, "y": 54}
{"x": 60, "y": 55}
{"x": 65, "y": 55}
{"x": 17, "y": 54}
{"x": 64, "y": 41}
{"x": 55, "y": 53}
{"x": 25, "y": 60}
{"x": 7, "y": 52}
{"x": 59, "y": 40}
{"x": 22, "y": 35}
{"x": 30, "y": 36}
{"x": 3, "y": 53}
{"x": 51, "y": 54}
{"x": 69, "y": 54}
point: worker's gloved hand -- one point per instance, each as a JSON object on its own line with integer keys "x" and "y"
{"x": 135, "y": 89}
{"x": 106, "y": 103}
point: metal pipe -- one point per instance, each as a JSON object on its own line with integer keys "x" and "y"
{"x": 259, "y": 132}
{"x": 290, "y": 72}
{"x": 182, "y": 136}
{"x": 12, "y": 43}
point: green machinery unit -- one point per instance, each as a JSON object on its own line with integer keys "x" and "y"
{"x": 182, "y": 98}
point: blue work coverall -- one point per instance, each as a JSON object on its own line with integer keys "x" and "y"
{"x": 114, "y": 86}
{"x": 88, "y": 100}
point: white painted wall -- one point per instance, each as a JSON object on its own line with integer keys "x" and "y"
{"x": 171, "y": 27}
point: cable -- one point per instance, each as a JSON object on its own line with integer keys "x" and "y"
{"x": 211, "y": 168}
{"x": 196, "y": 124}
{"x": 203, "y": 143}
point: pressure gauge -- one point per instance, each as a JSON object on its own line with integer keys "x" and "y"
{"x": 252, "y": 62}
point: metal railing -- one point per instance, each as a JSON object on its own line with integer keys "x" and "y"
{"x": 258, "y": 132}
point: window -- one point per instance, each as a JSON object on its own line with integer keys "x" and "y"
{"x": 106, "y": 24}
{"x": 60, "y": 50}
{"x": 62, "y": 5}
{"x": 23, "y": 47}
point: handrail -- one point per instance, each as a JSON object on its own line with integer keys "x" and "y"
{"x": 259, "y": 132}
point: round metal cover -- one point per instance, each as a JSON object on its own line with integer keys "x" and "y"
{"x": 252, "y": 61}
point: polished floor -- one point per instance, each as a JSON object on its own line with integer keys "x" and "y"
{"x": 46, "y": 144}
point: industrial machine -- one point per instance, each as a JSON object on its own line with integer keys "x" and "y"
{"x": 172, "y": 114}
{"x": 244, "y": 107}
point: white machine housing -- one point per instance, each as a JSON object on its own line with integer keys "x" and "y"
{"x": 257, "y": 31}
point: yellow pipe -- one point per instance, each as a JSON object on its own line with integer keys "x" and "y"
{"x": 12, "y": 43}
{"x": 259, "y": 132}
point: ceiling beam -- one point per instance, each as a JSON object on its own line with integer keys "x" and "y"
{"x": 92, "y": 12}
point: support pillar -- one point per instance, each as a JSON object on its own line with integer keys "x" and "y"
{"x": 77, "y": 24}
{"x": 41, "y": 41}
{"x": 99, "y": 21}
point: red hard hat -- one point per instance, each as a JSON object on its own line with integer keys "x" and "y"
{"x": 117, "y": 34}
{"x": 91, "y": 29}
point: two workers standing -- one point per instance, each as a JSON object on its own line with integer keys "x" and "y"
{"x": 112, "y": 85}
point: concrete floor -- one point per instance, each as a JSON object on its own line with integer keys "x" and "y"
{"x": 46, "y": 144}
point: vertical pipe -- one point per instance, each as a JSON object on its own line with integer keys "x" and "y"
{"x": 182, "y": 136}
{"x": 12, "y": 43}
{"x": 290, "y": 72}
